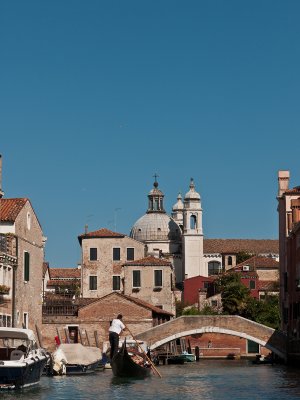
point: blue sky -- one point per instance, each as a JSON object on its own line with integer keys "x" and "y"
{"x": 97, "y": 96}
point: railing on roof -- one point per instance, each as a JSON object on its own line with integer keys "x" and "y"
{"x": 60, "y": 309}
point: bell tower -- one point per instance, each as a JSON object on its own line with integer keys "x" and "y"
{"x": 193, "y": 234}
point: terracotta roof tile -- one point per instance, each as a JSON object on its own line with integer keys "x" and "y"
{"x": 260, "y": 262}
{"x": 148, "y": 305}
{"x": 295, "y": 190}
{"x": 101, "y": 233}
{"x": 268, "y": 286}
{"x": 58, "y": 282}
{"x": 10, "y": 208}
{"x": 87, "y": 301}
{"x": 65, "y": 273}
{"x": 233, "y": 246}
{"x": 149, "y": 261}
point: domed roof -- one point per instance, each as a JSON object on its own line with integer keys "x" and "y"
{"x": 179, "y": 205}
{"x": 192, "y": 194}
{"x": 155, "y": 226}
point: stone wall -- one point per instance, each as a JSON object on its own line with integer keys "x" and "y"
{"x": 29, "y": 293}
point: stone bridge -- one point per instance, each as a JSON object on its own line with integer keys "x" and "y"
{"x": 226, "y": 324}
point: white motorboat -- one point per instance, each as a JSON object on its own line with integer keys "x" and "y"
{"x": 22, "y": 361}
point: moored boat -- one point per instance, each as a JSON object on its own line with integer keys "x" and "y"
{"x": 22, "y": 361}
{"x": 188, "y": 357}
{"x": 123, "y": 365}
{"x": 75, "y": 359}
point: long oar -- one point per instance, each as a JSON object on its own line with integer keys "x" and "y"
{"x": 148, "y": 359}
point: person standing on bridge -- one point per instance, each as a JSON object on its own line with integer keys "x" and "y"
{"x": 115, "y": 330}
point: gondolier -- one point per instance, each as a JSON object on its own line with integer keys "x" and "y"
{"x": 115, "y": 331}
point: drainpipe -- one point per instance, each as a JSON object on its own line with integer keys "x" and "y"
{"x": 13, "y": 311}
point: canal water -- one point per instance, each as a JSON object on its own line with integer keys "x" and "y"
{"x": 206, "y": 380}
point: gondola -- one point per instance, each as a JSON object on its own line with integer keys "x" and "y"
{"x": 123, "y": 366}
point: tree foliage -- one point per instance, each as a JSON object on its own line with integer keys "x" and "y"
{"x": 236, "y": 300}
{"x": 242, "y": 256}
{"x": 234, "y": 294}
{"x": 264, "y": 312}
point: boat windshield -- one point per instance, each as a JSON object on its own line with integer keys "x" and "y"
{"x": 16, "y": 343}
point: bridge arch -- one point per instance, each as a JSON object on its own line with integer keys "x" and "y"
{"x": 229, "y": 325}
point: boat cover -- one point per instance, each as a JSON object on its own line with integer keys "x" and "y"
{"x": 76, "y": 353}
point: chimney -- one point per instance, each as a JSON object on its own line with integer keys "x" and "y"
{"x": 1, "y": 192}
{"x": 283, "y": 182}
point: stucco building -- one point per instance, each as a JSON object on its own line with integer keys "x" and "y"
{"x": 103, "y": 254}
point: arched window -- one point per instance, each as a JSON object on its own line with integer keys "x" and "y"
{"x": 229, "y": 260}
{"x": 193, "y": 222}
{"x": 214, "y": 268}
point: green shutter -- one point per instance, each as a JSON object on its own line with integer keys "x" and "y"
{"x": 26, "y": 266}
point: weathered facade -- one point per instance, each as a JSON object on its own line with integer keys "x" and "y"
{"x": 94, "y": 315}
{"x": 151, "y": 279}
{"x": 289, "y": 239}
{"x": 8, "y": 264}
{"x": 18, "y": 218}
{"x": 103, "y": 253}
{"x": 259, "y": 274}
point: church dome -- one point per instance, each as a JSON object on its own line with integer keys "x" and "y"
{"x": 155, "y": 226}
{"x": 192, "y": 194}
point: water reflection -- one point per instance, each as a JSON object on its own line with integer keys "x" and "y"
{"x": 206, "y": 380}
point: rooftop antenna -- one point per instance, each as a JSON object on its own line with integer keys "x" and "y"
{"x": 1, "y": 192}
{"x": 115, "y": 218}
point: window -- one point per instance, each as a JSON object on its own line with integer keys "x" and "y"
{"x": 116, "y": 253}
{"x": 130, "y": 253}
{"x": 93, "y": 254}
{"x": 93, "y": 282}
{"x": 253, "y": 347}
{"x": 26, "y": 266}
{"x": 136, "y": 279}
{"x": 116, "y": 282}
{"x": 5, "y": 320}
{"x": 229, "y": 260}
{"x": 252, "y": 284}
{"x": 25, "y": 320}
{"x": 193, "y": 222}
{"x": 158, "y": 278}
{"x": 214, "y": 268}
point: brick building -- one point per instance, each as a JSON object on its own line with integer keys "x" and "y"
{"x": 94, "y": 315}
{"x": 289, "y": 239}
{"x": 259, "y": 274}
